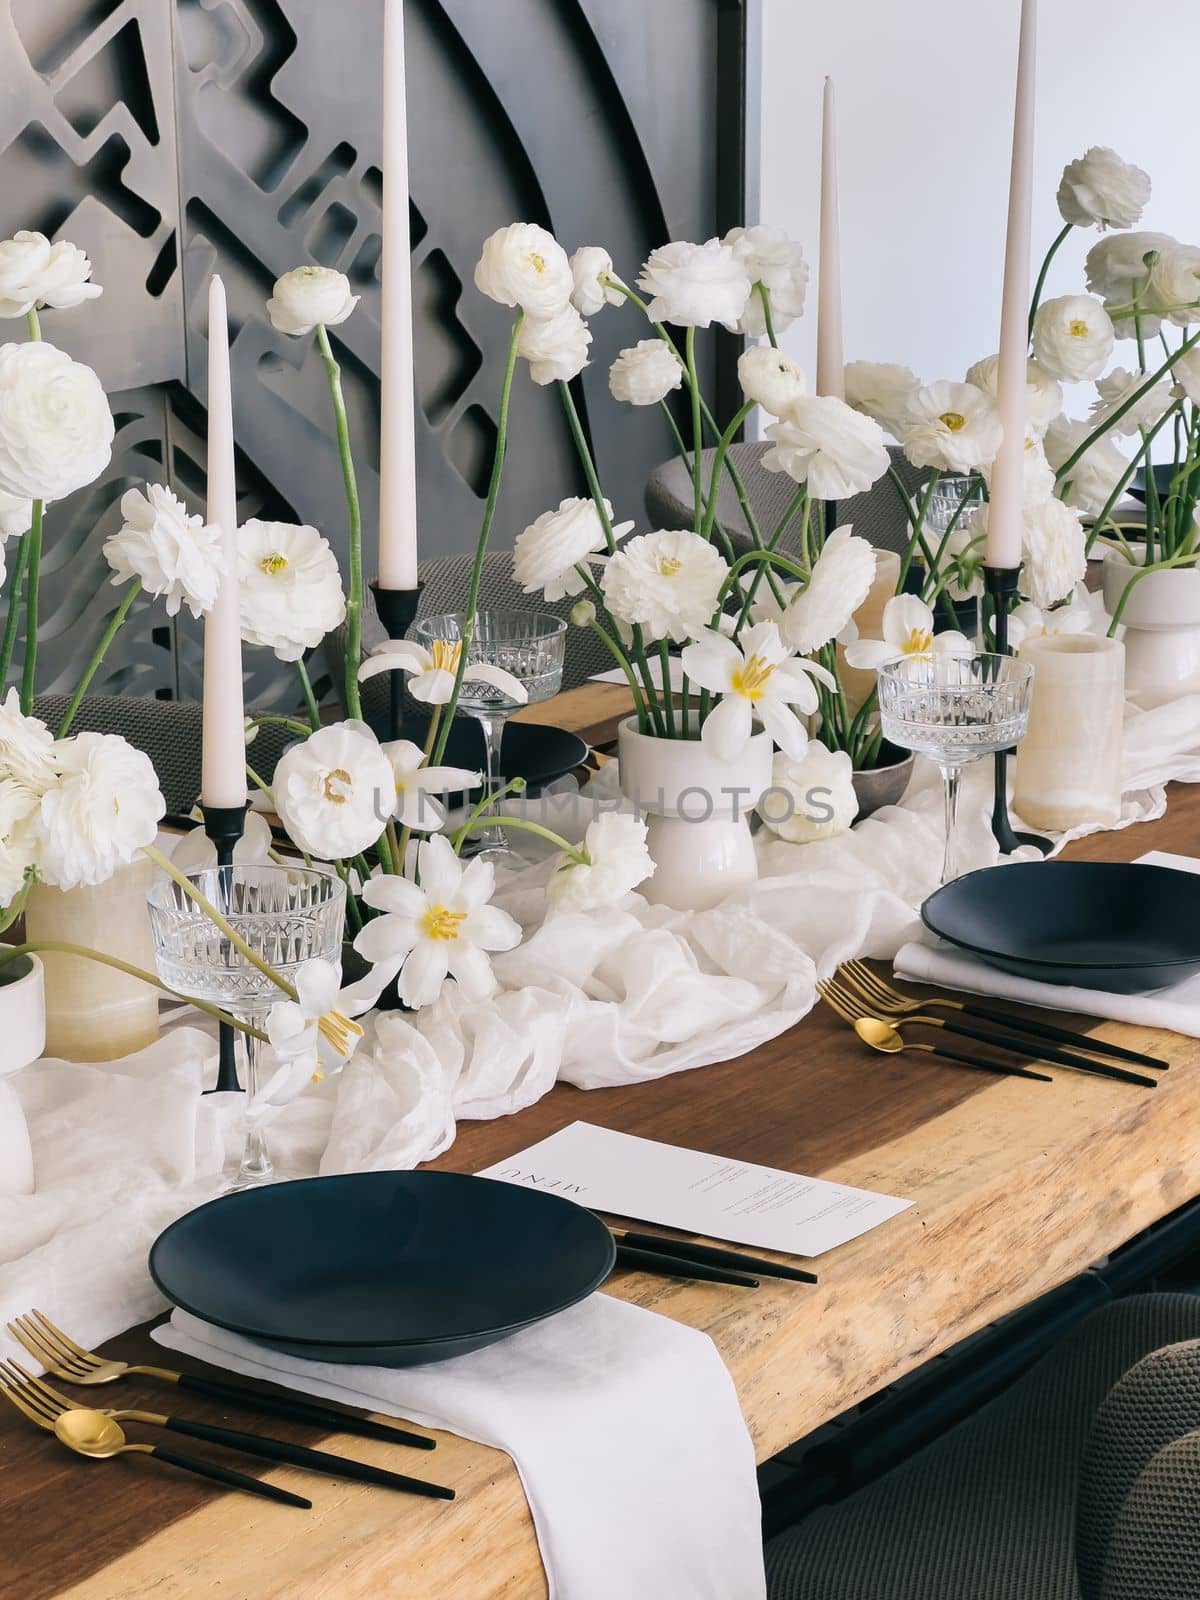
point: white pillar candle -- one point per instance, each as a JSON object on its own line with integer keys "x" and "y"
{"x": 223, "y": 770}
{"x": 397, "y": 444}
{"x": 1069, "y": 762}
{"x": 1012, "y": 400}
{"x": 831, "y": 378}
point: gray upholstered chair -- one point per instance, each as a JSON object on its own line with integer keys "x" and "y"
{"x": 168, "y": 731}
{"x": 1081, "y": 1482}
{"x": 877, "y": 515}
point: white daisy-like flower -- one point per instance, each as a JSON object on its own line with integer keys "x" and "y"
{"x": 433, "y": 670}
{"x": 547, "y": 554}
{"x": 103, "y": 806}
{"x": 815, "y": 612}
{"x": 442, "y": 927}
{"x": 811, "y": 795}
{"x": 594, "y": 279}
{"x": 1092, "y": 480}
{"x": 335, "y": 791}
{"x": 645, "y": 373}
{"x": 758, "y": 678}
{"x": 1073, "y": 337}
{"x": 173, "y": 554}
{"x": 1028, "y": 621}
{"x": 778, "y": 263}
{"x": 417, "y": 785}
{"x": 822, "y": 442}
{"x": 1120, "y": 385}
{"x": 908, "y": 630}
{"x": 1044, "y": 396}
{"x": 612, "y": 861}
{"x": 695, "y": 285}
{"x": 291, "y": 589}
{"x": 667, "y": 583}
{"x": 556, "y": 347}
{"x": 953, "y": 427}
{"x": 880, "y": 389}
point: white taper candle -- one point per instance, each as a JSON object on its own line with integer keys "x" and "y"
{"x": 831, "y": 377}
{"x": 223, "y": 769}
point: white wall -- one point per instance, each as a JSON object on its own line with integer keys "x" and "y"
{"x": 924, "y": 90}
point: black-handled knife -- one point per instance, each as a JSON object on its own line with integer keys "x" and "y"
{"x": 296, "y": 1410}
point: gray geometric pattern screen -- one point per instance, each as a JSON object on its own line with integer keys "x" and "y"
{"x": 172, "y": 138}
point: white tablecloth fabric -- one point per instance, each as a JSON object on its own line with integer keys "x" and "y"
{"x": 624, "y": 1427}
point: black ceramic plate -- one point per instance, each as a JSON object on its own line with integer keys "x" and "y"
{"x": 391, "y": 1269}
{"x": 530, "y": 751}
{"x": 1118, "y": 926}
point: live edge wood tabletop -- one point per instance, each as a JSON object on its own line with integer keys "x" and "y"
{"x": 1017, "y": 1187}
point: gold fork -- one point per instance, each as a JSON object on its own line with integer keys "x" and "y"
{"x": 890, "y": 1001}
{"x": 885, "y": 1036}
{"x": 65, "y": 1359}
{"x": 97, "y": 1435}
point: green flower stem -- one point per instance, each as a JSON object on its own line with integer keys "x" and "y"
{"x": 719, "y": 455}
{"x": 653, "y": 702}
{"x": 310, "y": 699}
{"x": 489, "y": 515}
{"x": 300, "y": 729}
{"x": 398, "y": 846}
{"x": 352, "y": 911}
{"x": 589, "y": 466}
{"x": 919, "y": 535}
{"x": 1102, "y": 521}
{"x": 626, "y": 667}
{"x": 110, "y": 633}
{"x": 32, "y": 323}
{"x": 935, "y": 583}
{"x": 685, "y": 455}
{"x": 689, "y": 347}
{"x": 10, "y": 913}
{"x": 664, "y": 661}
{"x": 1041, "y": 277}
{"x": 751, "y": 558}
{"x": 57, "y": 947}
{"x": 12, "y": 621}
{"x": 218, "y": 921}
{"x": 483, "y": 807}
{"x": 575, "y": 852}
{"x": 799, "y": 500}
{"x": 33, "y": 574}
{"x": 764, "y": 294}
{"x": 354, "y": 598}
{"x": 260, "y": 783}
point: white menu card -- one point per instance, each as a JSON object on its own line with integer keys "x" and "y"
{"x": 686, "y": 1189}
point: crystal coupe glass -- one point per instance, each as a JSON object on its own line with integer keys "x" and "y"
{"x": 286, "y": 915}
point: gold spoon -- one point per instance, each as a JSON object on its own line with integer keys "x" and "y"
{"x": 884, "y": 1036}
{"x": 91, "y": 1433}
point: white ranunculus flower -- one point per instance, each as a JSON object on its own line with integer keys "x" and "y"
{"x": 440, "y": 928}
{"x": 617, "y": 861}
{"x": 102, "y": 808}
{"x": 1118, "y": 386}
{"x": 1186, "y": 373}
{"x": 1100, "y": 190}
{"x": 1045, "y": 396}
{"x": 1073, "y": 337}
{"x": 556, "y": 348}
{"x": 778, "y": 263}
{"x": 818, "y": 611}
{"x": 880, "y": 389}
{"x": 1115, "y": 266}
{"x": 645, "y": 373}
{"x": 666, "y": 583}
{"x": 309, "y": 297}
{"x": 756, "y": 678}
{"x": 908, "y": 630}
{"x": 954, "y": 427}
{"x": 1055, "y": 554}
{"x": 173, "y": 554}
{"x": 27, "y": 749}
{"x": 547, "y": 554}
{"x": 417, "y": 785}
{"x": 34, "y": 272}
{"x": 335, "y": 790}
{"x": 18, "y": 837}
{"x": 432, "y": 680}
{"x": 1096, "y": 474}
{"x": 822, "y": 442}
{"x": 290, "y": 586}
{"x": 16, "y": 516}
{"x": 523, "y": 265}
{"x": 1175, "y": 284}
{"x": 811, "y": 796}
{"x": 1037, "y": 475}
{"x": 590, "y": 266}
{"x": 1028, "y": 621}
{"x": 695, "y": 285}
{"x": 56, "y": 429}
{"x": 769, "y": 378}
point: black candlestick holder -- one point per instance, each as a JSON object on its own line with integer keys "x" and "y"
{"x": 1001, "y": 584}
{"x": 397, "y": 609}
{"x": 225, "y": 825}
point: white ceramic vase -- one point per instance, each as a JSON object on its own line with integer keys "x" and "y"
{"x": 1162, "y": 630}
{"x": 22, "y": 1040}
{"x": 697, "y": 812}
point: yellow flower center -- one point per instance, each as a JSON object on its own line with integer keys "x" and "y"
{"x": 1078, "y": 328}
{"x": 275, "y": 562}
{"x": 918, "y": 642}
{"x": 668, "y": 566}
{"x": 536, "y": 261}
{"x": 954, "y": 420}
{"x": 442, "y": 924}
{"x": 749, "y": 680}
{"x": 445, "y": 653}
{"x": 341, "y": 1033}
{"x": 336, "y": 786}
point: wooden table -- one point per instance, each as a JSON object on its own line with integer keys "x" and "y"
{"x": 1017, "y": 1187}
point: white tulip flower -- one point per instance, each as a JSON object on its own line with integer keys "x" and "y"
{"x": 433, "y": 670}
{"x": 417, "y": 785}
{"x": 757, "y": 679}
{"x": 908, "y": 630}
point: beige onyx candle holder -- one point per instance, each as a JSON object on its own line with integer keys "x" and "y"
{"x": 1068, "y": 768}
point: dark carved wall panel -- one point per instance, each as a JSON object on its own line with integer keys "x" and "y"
{"x": 171, "y": 138}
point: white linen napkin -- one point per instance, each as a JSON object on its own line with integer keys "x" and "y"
{"x": 624, "y": 1426}
{"x": 929, "y": 960}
